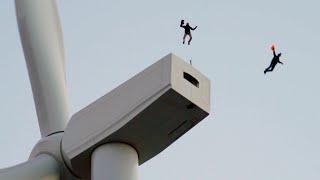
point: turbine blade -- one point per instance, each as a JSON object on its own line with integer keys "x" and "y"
{"x": 41, "y": 38}
{"x": 42, "y": 167}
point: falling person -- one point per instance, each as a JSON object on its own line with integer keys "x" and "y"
{"x": 275, "y": 60}
{"x": 187, "y": 31}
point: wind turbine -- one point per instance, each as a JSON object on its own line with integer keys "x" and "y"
{"x": 111, "y": 137}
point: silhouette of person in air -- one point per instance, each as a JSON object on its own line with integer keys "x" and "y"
{"x": 275, "y": 60}
{"x": 187, "y": 31}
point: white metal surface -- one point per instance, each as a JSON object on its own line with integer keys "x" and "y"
{"x": 150, "y": 111}
{"x": 114, "y": 161}
{"x": 41, "y": 38}
{"x": 51, "y": 145}
{"x": 43, "y": 167}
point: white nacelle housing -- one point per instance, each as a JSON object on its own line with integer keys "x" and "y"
{"x": 149, "y": 112}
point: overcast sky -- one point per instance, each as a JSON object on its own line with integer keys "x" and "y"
{"x": 263, "y": 127}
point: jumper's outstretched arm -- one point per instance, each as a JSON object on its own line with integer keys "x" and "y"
{"x": 194, "y": 28}
{"x": 181, "y": 23}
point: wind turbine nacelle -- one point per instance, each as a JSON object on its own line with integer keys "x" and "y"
{"x": 149, "y": 112}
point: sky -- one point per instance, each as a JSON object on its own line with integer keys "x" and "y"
{"x": 260, "y": 127}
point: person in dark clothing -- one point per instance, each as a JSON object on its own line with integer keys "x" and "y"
{"x": 275, "y": 60}
{"x": 187, "y": 31}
